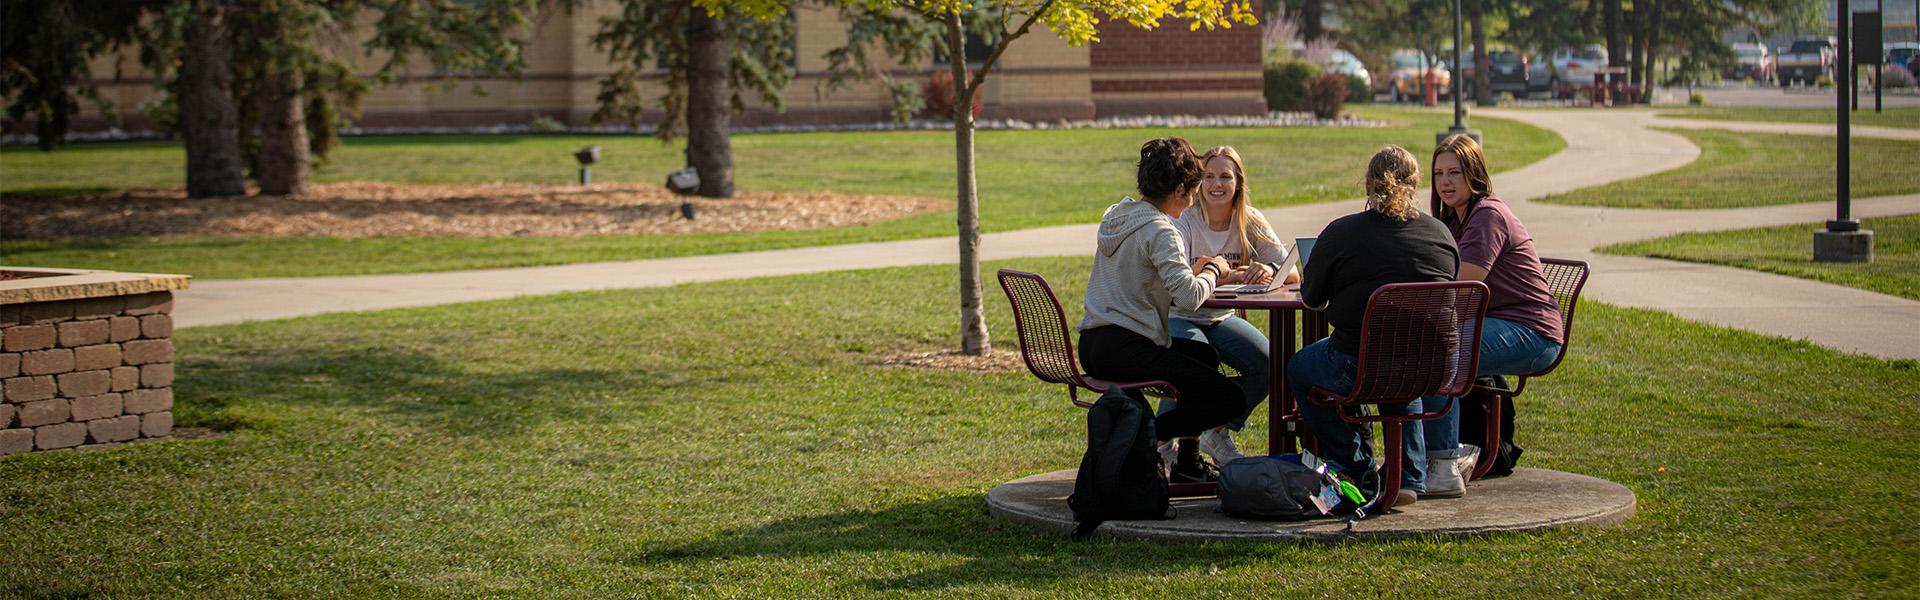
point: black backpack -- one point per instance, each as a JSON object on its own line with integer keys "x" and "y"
{"x": 1121, "y": 476}
{"x": 1266, "y": 487}
{"x": 1473, "y": 423}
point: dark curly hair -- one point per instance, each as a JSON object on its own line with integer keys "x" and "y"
{"x": 1167, "y": 165}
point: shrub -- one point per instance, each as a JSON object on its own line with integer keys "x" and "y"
{"x": 546, "y": 124}
{"x": 906, "y": 100}
{"x": 1697, "y": 99}
{"x": 1358, "y": 92}
{"x": 938, "y": 93}
{"x": 1895, "y": 77}
{"x": 1286, "y": 84}
{"x": 1324, "y": 93}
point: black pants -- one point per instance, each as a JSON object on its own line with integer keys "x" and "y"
{"x": 1208, "y": 399}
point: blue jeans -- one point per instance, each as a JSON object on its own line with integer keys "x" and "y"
{"x": 1506, "y": 348}
{"x": 1242, "y": 347}
{"x": 1348, "y": 445}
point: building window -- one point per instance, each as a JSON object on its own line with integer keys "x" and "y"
{"x": 977, "y": 50}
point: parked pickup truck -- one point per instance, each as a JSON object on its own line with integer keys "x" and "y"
{"x": 1804, "y": 62}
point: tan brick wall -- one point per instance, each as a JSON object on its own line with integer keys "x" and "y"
{"x": 92, "y": 371}
{"x": 1039, "y": 77}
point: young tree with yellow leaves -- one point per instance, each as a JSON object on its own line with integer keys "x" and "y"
{"x": 911, "y": 30}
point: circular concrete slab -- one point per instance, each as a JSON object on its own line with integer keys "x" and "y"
{"x": 1528, "y": 500}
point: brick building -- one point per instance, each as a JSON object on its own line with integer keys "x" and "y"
{"x": 1169, "y": 70}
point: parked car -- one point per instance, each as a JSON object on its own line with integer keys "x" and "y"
{"x": 1577, "y": 67}
{"x": 1345, "y": 63}
{"x": 1409, "y": 67}
{"x": 1539, "y": 74}
{"x": 1804, "y": 62}
{"x": 1900, "y": 54}
{"x": 1507, "y": 72}
{"x": 1751, "y": 61}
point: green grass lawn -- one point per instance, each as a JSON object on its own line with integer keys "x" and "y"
{"x": 1788, "y": 250}
{"x": 1759, "y": 169}
{"x": 1907, "y": 117}
{"x": 654, "y": 443}
{"x": 1027, "y": 179}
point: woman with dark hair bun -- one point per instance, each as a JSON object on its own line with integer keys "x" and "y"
{"x": 1521, "y": 333}
{"x": 1140, "y": 273}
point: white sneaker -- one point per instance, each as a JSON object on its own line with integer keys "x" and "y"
{"x": 1447, "y": 477}
{"x": 1218, "y": 443}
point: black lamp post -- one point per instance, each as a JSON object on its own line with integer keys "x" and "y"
{"x": 1459, "y": 113}
{"x": 1843, "y": 240}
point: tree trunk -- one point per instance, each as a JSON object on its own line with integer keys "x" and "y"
{"x": 282, "y": 166}
{"x": 1616, "y": 44}
{"x": 1312, "y": 12}
{"x": 208, "y": 123}
{"x": 1482, "y": 68}
{"x": 709, "y": 103}
{"x": 1636, "y": 28}
{"x": 1654, "y": 21}
{"x": 973, "y": 322}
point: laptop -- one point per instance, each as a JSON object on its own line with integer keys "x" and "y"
{"x": 1284, "y": 265}
{"x": 1303, "y": 248}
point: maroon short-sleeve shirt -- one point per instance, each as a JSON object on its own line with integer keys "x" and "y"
{"x": 1492, "y": 238}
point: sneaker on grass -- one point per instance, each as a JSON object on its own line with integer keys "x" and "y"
{"x": 1218, "y": 443}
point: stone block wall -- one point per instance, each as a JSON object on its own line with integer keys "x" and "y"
{"x": 85, "y": 371}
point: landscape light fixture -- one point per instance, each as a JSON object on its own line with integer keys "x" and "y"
{"x": 587, "y": 156}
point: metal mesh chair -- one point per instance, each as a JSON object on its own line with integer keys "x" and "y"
{"x": 1417, "y": 339}
{"x": 1565, "y": 279}
{"x": 1046, "y": 344}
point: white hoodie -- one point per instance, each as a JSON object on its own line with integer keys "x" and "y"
{"x": 1140, "y": 272}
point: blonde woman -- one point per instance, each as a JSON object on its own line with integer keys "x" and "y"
{"x": 1224, "y": 223}
{"x": 1389, "y": 242}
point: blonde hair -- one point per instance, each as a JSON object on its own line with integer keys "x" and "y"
{"x": 1248, "y": 224}
{"x": 1392, "y": 176}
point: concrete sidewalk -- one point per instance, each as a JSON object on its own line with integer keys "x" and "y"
{"x": 1602, "y": 146}
{"x": 1859, "y": 131}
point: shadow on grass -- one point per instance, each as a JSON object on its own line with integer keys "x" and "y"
{"x": 995, "y": 552}
{"x": 228, "y": 392}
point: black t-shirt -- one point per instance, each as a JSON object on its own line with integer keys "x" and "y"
{"x": 1358, "y": 253}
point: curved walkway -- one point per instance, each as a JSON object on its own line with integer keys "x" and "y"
{"x": 1602, "y": 146}
{"x": 1859, "y": 131}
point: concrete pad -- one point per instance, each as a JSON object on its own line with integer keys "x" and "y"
{"x": 1528, "y": 500}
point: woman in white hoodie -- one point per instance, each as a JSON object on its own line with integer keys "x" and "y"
{"x": 1140, "y": 273}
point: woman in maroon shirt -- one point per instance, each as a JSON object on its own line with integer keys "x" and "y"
{"x": 1521, "y": 333}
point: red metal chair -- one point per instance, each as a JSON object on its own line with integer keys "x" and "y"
{"x": 1565, "y": 279}
{"x": 1046, "y": 344}
{"x": 1417, "y": 339}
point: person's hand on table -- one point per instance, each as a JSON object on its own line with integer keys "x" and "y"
{"x": 1219, "y": 265}
{"x": 1259, "y": 274}
{"x": 1293, "y": 277}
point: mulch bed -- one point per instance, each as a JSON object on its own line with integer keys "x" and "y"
{"x": 362, "y": 210}
{"x": 998, "y": 361}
